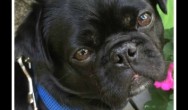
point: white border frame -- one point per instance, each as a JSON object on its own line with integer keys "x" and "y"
{"x": 12, "y": 42}
{"x": 13, "y": 35}
{"x": 175, "y": 51}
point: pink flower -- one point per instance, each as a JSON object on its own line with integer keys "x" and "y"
{"x": 168, "y": 83}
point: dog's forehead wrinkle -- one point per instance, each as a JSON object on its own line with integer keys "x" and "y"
{"x": 107, "y": 21}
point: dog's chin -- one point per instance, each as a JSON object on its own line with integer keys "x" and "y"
{"x": 139, "y": 83}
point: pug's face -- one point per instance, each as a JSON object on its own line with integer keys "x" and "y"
{"x": 106, "y": 50}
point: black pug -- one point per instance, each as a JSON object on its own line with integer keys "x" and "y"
{"x": 90, "y": 54}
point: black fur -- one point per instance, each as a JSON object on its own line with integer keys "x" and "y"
{"x": 56, "y": 29}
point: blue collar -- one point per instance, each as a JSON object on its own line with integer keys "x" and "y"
{"x": 49, "y": 101}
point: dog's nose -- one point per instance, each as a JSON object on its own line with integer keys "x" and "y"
{"x": 131, "y": 51}
{"x": 120, "y": 55}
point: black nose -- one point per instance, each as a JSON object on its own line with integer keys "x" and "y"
{"x": 123, "y": 53}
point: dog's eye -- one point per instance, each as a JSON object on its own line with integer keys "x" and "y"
{"x": 144, "y": 19}
{"x": 82, "y": 54}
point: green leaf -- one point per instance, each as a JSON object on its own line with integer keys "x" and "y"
{"x": 167, "y": 19}
{"x": 168, "y": 51}
{"x": 171, "y": 97}
{"x": 159, "y": 99}
{"x": 168, "y": 34}
{"x": 155, "y": 105}
{"x": 170, "y": 103}
{"x": 150, "y": 105}
{"x": 170, "y": 106}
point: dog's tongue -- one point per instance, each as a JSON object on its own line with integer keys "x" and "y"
{"x": 168, "y": 83}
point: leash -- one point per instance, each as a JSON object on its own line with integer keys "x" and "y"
{"x": 47, "y": 99}
{"x": 22, "y": 61}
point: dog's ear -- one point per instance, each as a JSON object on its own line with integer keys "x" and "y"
{"x": 28, "y": 35}
{"x": 162, "y": 5}
{"x": 28, "y": 43}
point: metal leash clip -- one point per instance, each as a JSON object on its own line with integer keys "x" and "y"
{"x": 31, "y": 96}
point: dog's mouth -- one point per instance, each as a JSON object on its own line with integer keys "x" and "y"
{"x": 139, "y": 83}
